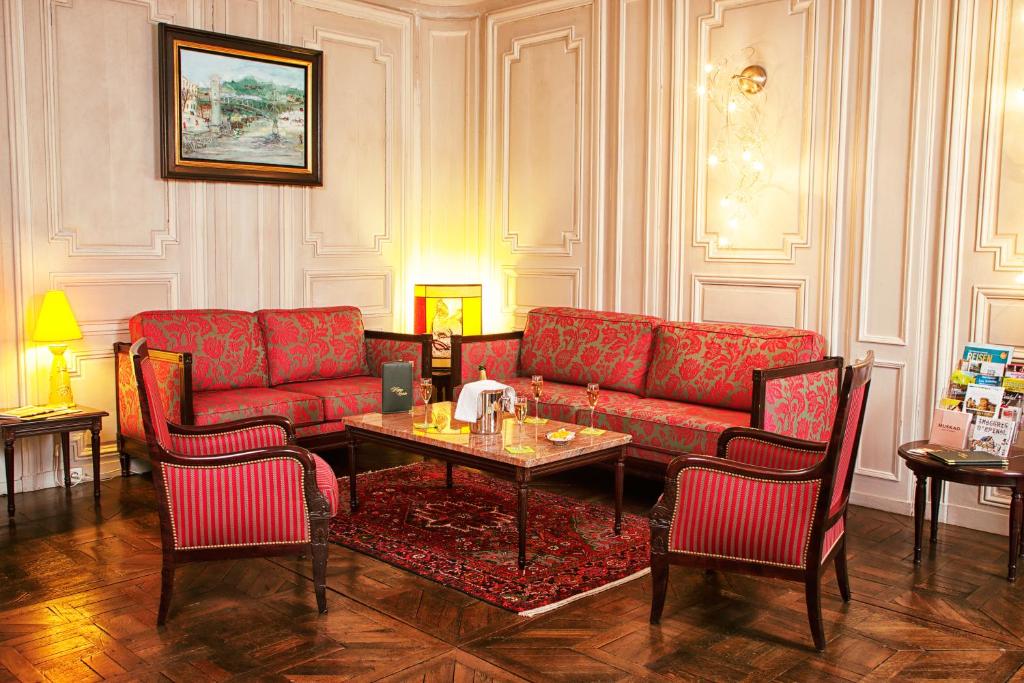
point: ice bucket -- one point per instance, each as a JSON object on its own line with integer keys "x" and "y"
{"x": 489, "y": 412}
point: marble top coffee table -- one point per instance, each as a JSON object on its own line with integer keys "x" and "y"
{"x": 488, "y": 453}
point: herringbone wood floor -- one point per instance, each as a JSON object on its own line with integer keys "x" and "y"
{"x": 79, "y": 587}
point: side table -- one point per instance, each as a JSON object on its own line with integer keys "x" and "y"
{"x": 90, "y": 419}
{"x": 1012, "y": 476}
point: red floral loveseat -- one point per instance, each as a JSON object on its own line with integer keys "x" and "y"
{"x": 313, "y": 366}
{"x": 675, "y": 387}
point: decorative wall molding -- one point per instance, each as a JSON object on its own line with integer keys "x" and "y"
{"x": 118, "y": 281}
{"x": 797, "y": 287}
{"x": 511, "y": 275}
{"x": 895, "y": 469}
{"x": 982, "y": 318}
{"x": 378, "y": 278}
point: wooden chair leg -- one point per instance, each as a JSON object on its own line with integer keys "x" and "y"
{"x": 813, "y": 592}
{"x": 842, "y": 576}
{"x": 659, "y": 578}
{"x": 166, "y": 590}
{"x": 319, "y": 552}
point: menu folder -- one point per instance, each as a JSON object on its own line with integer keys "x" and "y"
{"x": 396, "y": 387}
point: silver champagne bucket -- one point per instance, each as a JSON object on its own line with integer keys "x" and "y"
{"x": 489, "y": 412}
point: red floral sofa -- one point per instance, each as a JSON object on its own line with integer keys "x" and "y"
{"x": 313, "y": 366}
{"x": 675, "y": 387}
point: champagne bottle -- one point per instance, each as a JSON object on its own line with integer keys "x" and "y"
{"x": 483, "y": 372}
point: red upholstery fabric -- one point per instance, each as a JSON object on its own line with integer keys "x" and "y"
{"x": 803, "y": 406}
{"x": 500, "y": 357}
{"x": 155, "y": 404}
{"x": 678, "y": 427}
{"x": 214, "y": 407}
{"x": 343, "y": 396}
{"x": 317, "y": 430}
{"x": 565, "y": 402}
{"x": 230, "y": 441}
{"x": 577, "y": 346}
{"x": 846, "y": 453}
{"x": 326, "y": 482}
{"x": 218, "y": 506}
{"x": 743, "y": 518}
{"x": 168, "y": 376}
{"x": 380, "y": 351}
{"x": 226, "y": 346}
{"x": 313, "y": 343}
{"x": 763, "y": 454}
{"x": 832, "y": 536}
{"x": 713, "y": 364}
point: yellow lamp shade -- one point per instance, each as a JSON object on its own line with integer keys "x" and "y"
{"x": 56, "y": 323}
{"x": 446, "y": 310}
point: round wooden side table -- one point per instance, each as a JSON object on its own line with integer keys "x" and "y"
{"x": 1012, "y": 476}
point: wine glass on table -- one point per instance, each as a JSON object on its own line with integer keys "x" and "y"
{"x": 593, "y": 390}
{"x": 521, "y": 408}
{"x": 537, "y": 384}
{"x": 426, "y": 390}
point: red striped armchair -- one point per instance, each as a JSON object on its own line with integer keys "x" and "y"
{"x": 233, "y": 490}
{"x": 769, "y": 504}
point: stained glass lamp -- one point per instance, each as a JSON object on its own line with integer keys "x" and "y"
{"x": 444, "y": 310}
{"x": 56, "y": 325}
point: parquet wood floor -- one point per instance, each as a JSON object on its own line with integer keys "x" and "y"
{"x": 79, "y": 586}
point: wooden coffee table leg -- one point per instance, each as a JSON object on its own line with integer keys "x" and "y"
{"x": 620, "y": 470}
{"x": 1016, "y": 515}
{"x": 919, "y": 497}
{"x": 9, "y": 472}
{"x": 522, "y": 484}
{"x": 936, "y": 500}
{"x": 448, "y": 475}
{"x": 353, "y": 501}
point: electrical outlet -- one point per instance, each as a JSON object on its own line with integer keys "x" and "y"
{"x": 76, "y": 475}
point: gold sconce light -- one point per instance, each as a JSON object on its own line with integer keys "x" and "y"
{"x": 752, "y": 79}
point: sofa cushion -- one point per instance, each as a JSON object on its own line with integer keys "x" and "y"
{"x": 712, "y": 364}
{"x": 343, "y": 396}
{"x": 565, "y": 402}
{"x": 226, "y": 346}
{"x": 678, "y": 427}
{"x": 214, "y": 407}
{"x": 578, "y": 346}
{"x": 313, "y": 343}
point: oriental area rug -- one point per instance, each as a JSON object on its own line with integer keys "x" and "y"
{"x": 465, "y": 537}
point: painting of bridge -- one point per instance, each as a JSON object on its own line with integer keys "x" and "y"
{"x": 243, "y": 110}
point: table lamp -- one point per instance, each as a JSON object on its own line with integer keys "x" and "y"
{"x": 444, "y": 310}
{"x": 56, "y": 325}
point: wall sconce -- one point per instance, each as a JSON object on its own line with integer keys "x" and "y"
{"x": 737, "y": 153}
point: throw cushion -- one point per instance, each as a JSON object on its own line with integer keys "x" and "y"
{"x": 226, "y": 346}
{"x": 713, "y": 364}
{"x": 215, "y": 407}
{"x": 579, "y": 346}
{"x": 314, "y": 343}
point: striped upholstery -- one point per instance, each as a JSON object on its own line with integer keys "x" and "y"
{"x": 156, "y": 404}
{"x": 764, "y": 454}
{"x": 743, "y": 518}
{"x": 326, "y": 482}
{"x": 233, "y": 441}
{"x": 832, "y": 537}
{"x": 252, "y": 503}
{"x": 846, "y": 453}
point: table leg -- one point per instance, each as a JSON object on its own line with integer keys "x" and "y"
{"x": 620, "y": 470}
{"x": 1016, "y": 515}
{"x": 919, "y": 497}
{"x": 95, "y": 430}
{"x": 9, "y": 471}
{"x": 65, "y": 455}
{"x": 522, "y": 482}
{"x": 448, "y": 475}
{"x": 353, "y": 501}
{"x": 936, "y": 500}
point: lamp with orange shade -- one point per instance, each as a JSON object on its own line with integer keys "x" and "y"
{"x": 55, "y": 326}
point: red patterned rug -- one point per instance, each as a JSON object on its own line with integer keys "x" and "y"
{"x": 465, "y": 537}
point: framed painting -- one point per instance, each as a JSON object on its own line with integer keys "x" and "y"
{"x": 239, "y": 110}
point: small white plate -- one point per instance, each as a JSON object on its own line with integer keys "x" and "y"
{"x": 566, "y": 439}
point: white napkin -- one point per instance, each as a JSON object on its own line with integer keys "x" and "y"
{"x": 468, "y": 408}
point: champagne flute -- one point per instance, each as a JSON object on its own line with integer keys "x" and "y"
{"x": 537, "y": 384}
{"x": 522, "y": 406}
{"x": 593, "y": 389}
{"x": 426, "y": 389}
